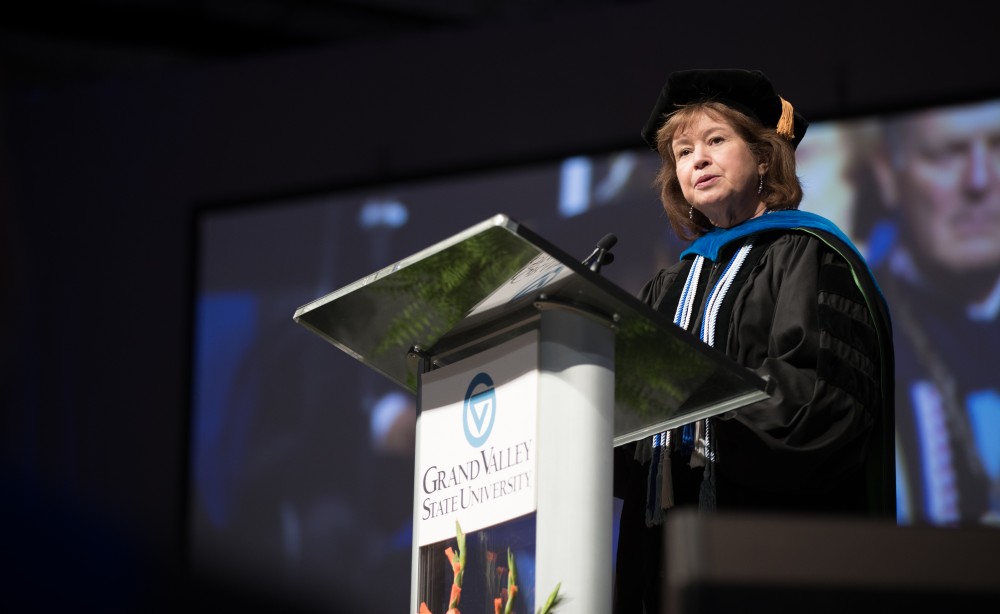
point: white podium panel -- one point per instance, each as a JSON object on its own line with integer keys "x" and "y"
{"x": 513, "y": 472}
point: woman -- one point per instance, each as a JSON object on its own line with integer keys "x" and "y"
{"x": 782, "y": 292}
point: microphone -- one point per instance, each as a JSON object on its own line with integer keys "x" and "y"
{"x": 602, "y": 254}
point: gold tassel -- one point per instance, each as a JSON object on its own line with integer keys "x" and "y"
{"x": 786, "y": 123}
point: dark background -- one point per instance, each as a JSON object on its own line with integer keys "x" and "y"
{"x": 119, "y": 121}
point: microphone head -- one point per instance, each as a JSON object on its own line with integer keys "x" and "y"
{"x": 608, "y": 241}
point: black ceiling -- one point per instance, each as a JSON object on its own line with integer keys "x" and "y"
{"x": 46, "y": 40}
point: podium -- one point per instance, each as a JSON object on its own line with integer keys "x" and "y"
{"x": 528, "y": 368}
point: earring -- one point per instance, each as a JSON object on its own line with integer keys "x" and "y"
{"x": 760, "y": 185}
{"x": 691, "y": 213}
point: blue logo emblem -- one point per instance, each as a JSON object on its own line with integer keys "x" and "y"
{"x": 479, "y": 410}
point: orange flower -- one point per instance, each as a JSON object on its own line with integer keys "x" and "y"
{"x": 456, "y": 565}
{"x": 497, "y": 605}
{"x": 456, "y": 593}
{"x": 424, "y": 609}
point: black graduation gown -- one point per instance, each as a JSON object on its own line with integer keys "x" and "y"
{"x": 804, "y": 311}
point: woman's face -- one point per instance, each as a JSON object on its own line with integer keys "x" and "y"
{"x": 717, "y": 172}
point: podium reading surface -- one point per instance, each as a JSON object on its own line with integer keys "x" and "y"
{"x": 489, "y": 281}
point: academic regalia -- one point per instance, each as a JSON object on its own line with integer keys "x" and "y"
{"x": 796, "y": 304}
{"x": 948, "y": 399}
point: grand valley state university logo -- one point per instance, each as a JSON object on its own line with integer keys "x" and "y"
{"x": 479, "y": 411}
{"x": 488, "y": 484}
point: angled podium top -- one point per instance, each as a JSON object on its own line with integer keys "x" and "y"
{"x": 479, "y": 281}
